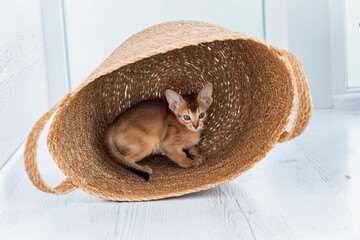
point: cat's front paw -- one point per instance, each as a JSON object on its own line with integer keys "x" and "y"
{"x": 188, "y": 154}
{"x": 199, "y": 159}
{"x": 148, "y": 169}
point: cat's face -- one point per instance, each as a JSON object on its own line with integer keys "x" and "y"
{"x": 191, "y": 110}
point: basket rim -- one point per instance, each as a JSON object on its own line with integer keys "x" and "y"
{"x": 273, "y": 140}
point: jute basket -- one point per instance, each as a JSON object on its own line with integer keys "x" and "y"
{"x": 255, "y": 89}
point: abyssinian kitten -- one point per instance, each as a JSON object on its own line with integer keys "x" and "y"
{"x": 171, "y": 127}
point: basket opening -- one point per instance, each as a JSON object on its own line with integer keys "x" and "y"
{"x": 252, "y": 88}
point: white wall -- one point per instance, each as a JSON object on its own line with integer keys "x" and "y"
{"x": 23, "y": 88}
{"x": 352, "y": 33}
{"x": 337, "y": 45}
{"x": 309, "y": 39}
{"x": 303, "y": 27}
{"x": 276, "y": 27}
{"x": 55, "y": 50}
{"x": 96, "y": 28}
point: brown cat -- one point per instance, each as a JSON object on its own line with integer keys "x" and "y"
{"x": 158, "y": 127}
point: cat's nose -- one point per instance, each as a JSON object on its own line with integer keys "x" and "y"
{"x": 195, "y": 126}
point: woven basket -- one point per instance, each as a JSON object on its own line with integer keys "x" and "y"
{"x": 255, "y": 89}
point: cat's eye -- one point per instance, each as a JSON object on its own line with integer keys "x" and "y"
{"x": 186, "y": 117}
{"x": 201, "y": 115}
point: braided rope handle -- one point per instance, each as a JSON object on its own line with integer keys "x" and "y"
{"x": 31, "y": 166}
{"x": 304, "y": 105}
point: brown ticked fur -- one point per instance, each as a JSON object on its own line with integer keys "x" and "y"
{"x": 157, "y": 126}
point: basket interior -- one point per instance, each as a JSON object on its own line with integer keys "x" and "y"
{"x": 252, "y": 96}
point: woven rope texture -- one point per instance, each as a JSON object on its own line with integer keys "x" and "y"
{"x": 255, "y": 90}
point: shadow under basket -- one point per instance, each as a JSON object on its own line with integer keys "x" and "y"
{"x": 255, "y": 84}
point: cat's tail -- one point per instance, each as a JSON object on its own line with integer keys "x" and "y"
{"x": 134, "y": 167}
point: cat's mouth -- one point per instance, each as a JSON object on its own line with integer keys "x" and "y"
{"x": 195, "y": 129}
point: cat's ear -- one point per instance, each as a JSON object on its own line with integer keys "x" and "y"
{"x": 205, "y": 94}
{"x": 174, "y": 99}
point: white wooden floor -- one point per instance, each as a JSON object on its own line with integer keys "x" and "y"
{"x": 308, "y": 188}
